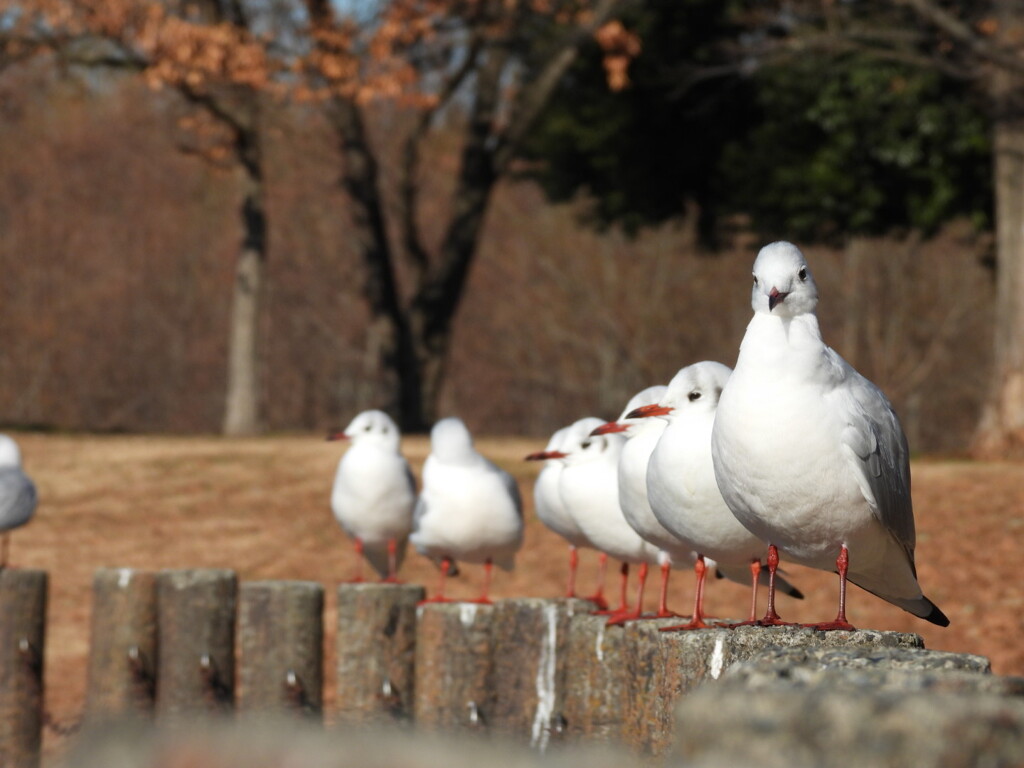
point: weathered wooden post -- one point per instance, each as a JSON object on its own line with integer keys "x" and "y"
{"x": 122, "y": 648}
{"x": 529, "y": 674}
{"x": 453, "y": 667}
{"x": 22, "y": 636}
{"x": 196, "y": 619}
{"x": 376, "y": 651}
{"x": 595, "y": 694}
{"x": 280, "y": 631}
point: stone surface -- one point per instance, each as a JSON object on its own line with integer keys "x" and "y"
{"x": 662, "y": 666}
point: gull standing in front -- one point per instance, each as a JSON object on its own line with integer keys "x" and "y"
{"x": 374, "y": 493}
{"x": 682, "y": 490}
{"x": 469, "y": 508}
{"x": 548, "y": 501}
{"x": 17, "y": 494}
{"x": 809, "y": 455}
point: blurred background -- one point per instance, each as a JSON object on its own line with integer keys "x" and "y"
{"x": 248, "y": 215}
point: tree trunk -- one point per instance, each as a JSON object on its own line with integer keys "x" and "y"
{"x": 243, "y": 411}
{"x": 1001, "y": 428}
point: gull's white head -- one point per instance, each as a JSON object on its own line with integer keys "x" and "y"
{"x": 372, "y": 428}
{"x": 451, "y": 442}
{"x": 10, "y": 455}
{"x": 783, "y": 283}
{"x": 696, "y": 387}
{"x": 582, "y": 449}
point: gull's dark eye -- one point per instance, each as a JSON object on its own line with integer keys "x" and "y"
{"x": 695, "y": 395}
{"x": 368, "y": 427}
{"x": 802, "y": 274}
{"x": 585, "y": 444}
{"x": 755, "y": 279}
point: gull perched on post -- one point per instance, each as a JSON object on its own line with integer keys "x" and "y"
{"x": 809, "y": 455}
{"x": 374, "y": 493}
{"x": 17, "y": 494}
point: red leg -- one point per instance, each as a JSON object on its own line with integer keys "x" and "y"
{"x": 574, "y": 561}
{"x": 357, "y": 578}
{"x": 620, "y": 617}
{"x": 392, "y": 577}
{"x": 446, "y": 563}
{"x": 602, "y": 569}
{"x": 663, "y": 611}
{"x": 623, "y": 582}
{"x": 755, "y": 574}
{"x": 484, "y": 598}
{"x": 697, "y": 620}
{"x": 771, "y": 616}
{"x": 840, "y": 623}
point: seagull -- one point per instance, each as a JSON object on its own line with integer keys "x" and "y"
{"x": 548, "y": 502}
{"x": 469, "y": 508}
{"x": 589, "y": 488}
{"x": 374, "y": 493}
{"x": 681, "y": 487}
{"x": 17, "y": 494}
{"x": 809, "y": 455}
{"x": 641, "y": 436}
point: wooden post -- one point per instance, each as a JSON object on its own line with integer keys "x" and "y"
{"x": 595, "y": 693}
{"x": 196, "y": 618}
{"x": 22, "y": 635}
{"x": 122, "y": 650}
{"x": 376, "y": 651}
{"x": 453, "y": 667}
{"x": 530, "y": 644}
{"x": 280, "y": 630}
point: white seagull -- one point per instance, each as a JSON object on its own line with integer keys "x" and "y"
{"x": 680, "y": 480}
{"x": 589, "y": 488}
{"x": 641, "y": 436}
{"x": 374, "y": 493}
{"x": 469, "y": 508}
{"x": 809, "y": 455}
{"x": 548, "y": 502}
{"x": 17, "y": 494}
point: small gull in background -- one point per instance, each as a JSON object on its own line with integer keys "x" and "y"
{"x": 548, "y": 502}
{"x": 374, "y": 493}
{"x": 17, "y": 494}
{"x": 809, "y": 455}
{"x": 469, "y": 508}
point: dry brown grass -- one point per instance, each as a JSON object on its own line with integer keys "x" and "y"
{"x": 260, "y": 507}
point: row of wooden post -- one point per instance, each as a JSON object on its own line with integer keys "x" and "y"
{"x": 193, "y": 642}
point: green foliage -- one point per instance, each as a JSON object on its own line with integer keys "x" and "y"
{"x": 644, "y": 151}
{"x": 818, "y": 147}
{"x": 858, "y": 146}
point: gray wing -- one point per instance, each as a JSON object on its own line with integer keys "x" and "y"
{"x": 881, "y": 457}
{"x": 17, "y": 498}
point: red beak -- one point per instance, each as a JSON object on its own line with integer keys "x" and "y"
{"x": 644, "y": 411}
{"x": 608, "y": 428}
{"x": 775, "y": 298}
{"x": 337, "y": 435}
{"x": 541, "y": 455}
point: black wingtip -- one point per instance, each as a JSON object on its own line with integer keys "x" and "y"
{"x": 936, "y": 616}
